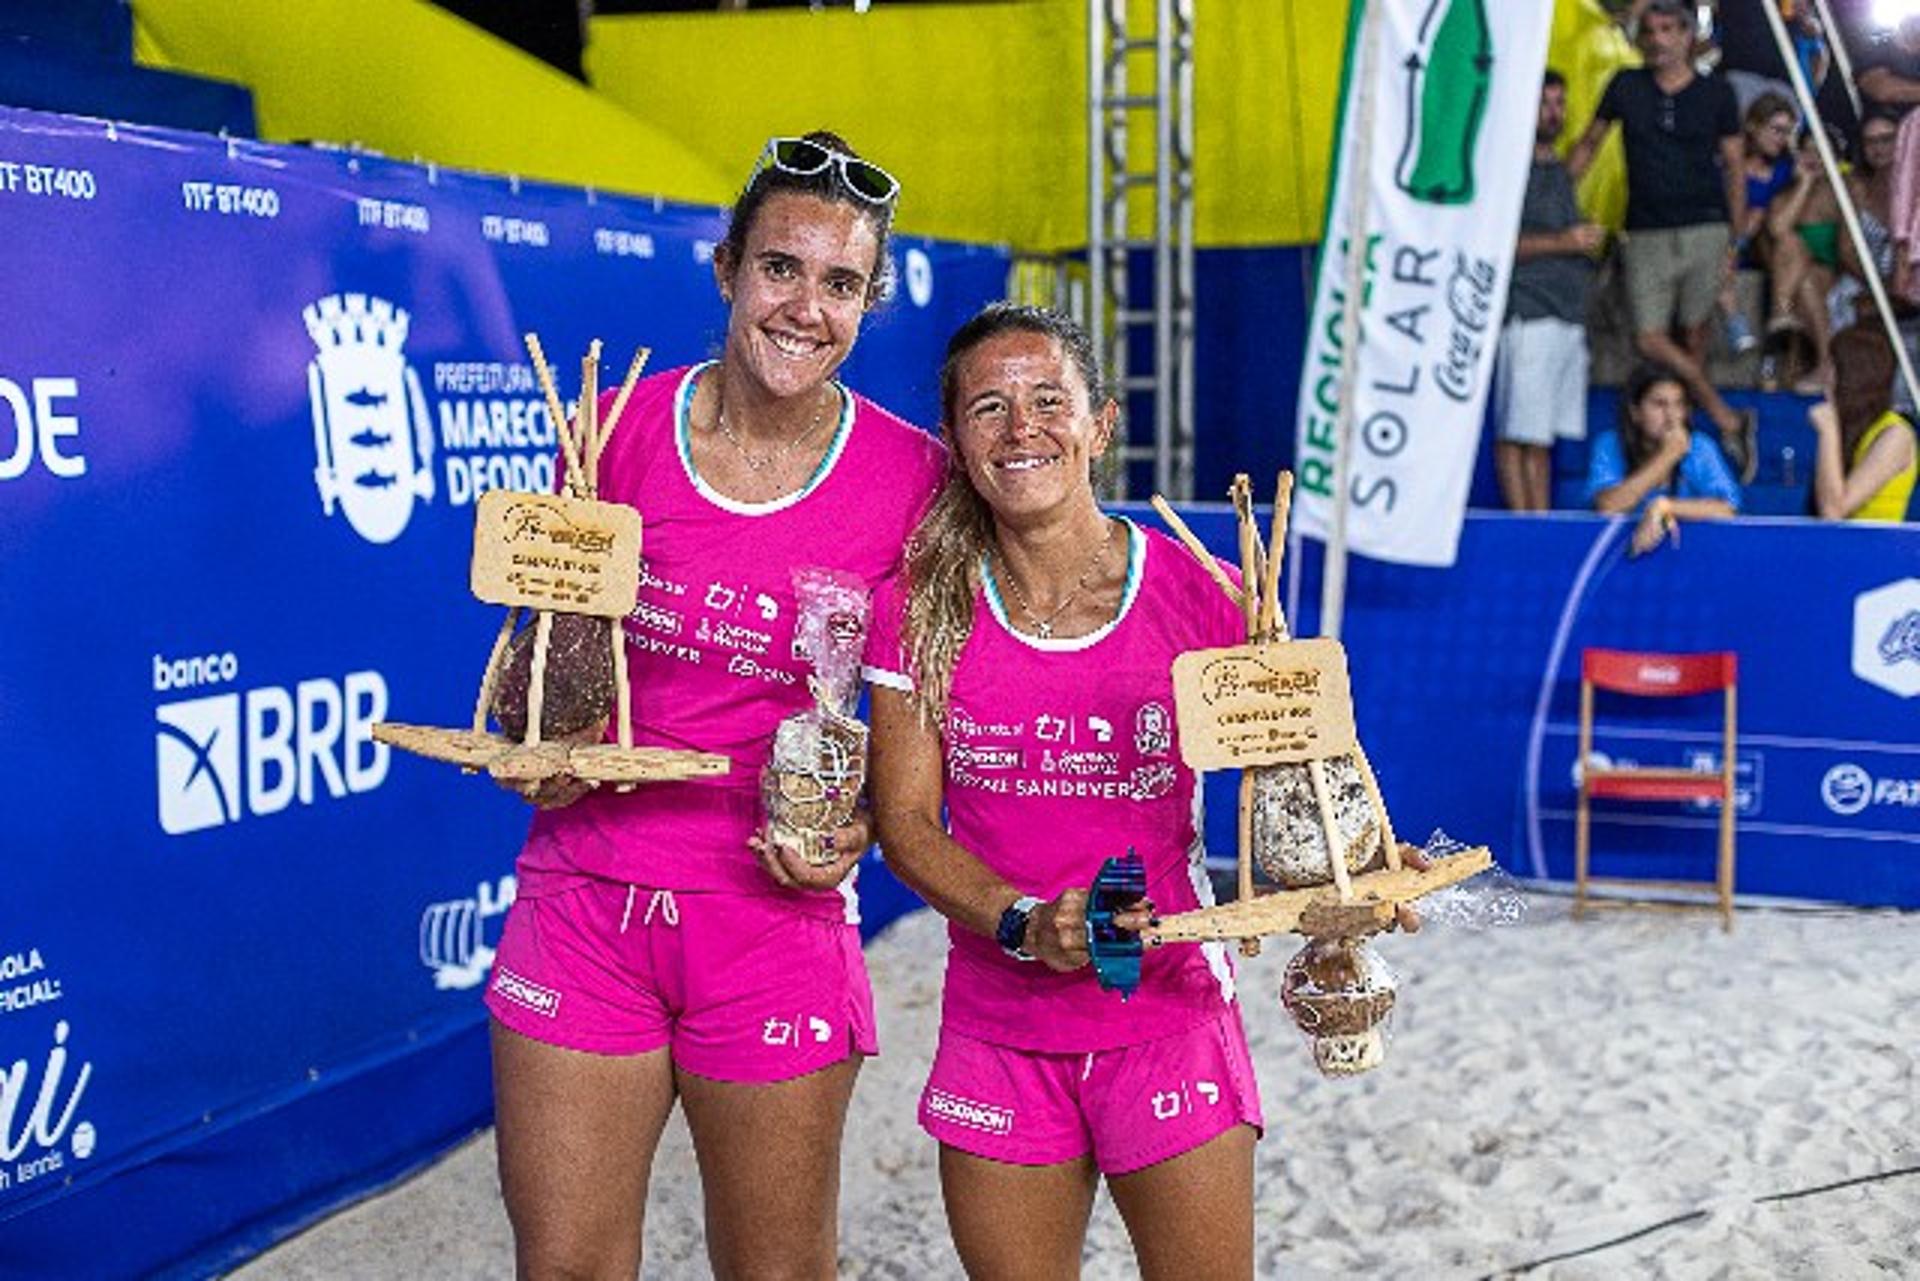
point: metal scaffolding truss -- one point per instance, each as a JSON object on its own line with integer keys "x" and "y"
{"x": 1114, "y": 172}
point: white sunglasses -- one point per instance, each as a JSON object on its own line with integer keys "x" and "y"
{"x": 804, "y": 158}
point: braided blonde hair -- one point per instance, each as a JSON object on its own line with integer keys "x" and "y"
{"x": 946, "y": 550}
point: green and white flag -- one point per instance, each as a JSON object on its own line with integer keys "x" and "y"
{"x": 1443, "y": 132}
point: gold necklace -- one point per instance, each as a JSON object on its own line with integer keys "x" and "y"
{"x": 758, "y": 463}
{"x": 1043, "y": 627}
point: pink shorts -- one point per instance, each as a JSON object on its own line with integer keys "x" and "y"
{"x": 738, "y": 986}
{"x": 1131, "y": 1107}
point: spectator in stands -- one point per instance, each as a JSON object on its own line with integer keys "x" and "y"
{"x": 1540, "y": 378}
{"x": 1871, "y": 184}
{"x": 1889, "y": 74}
{"x": 1766, "y": 139}
{"x": 1750, "y": 56}
{"x": 1685, "y": 193}
{"x": 1803, "y": 253}
{"x": 1865, "y": 455}
{"x": 1656, "y": 464}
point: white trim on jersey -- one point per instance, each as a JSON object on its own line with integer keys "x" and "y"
{"x": 1136, "y": 574}
{"x": 682, "y": 444}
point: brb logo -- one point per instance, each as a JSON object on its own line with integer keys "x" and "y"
{"x": 220, "y": 757}
{"x": 1886, "y": 637}
{"x": 372, "y": 439}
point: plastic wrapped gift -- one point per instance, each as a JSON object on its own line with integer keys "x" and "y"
{"x": 811, "y": 785}
{"x": 1339, "y": 992}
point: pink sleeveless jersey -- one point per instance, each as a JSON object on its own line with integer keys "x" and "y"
{"x": 1058, "y": 755}
{"x": 710, "y": 640}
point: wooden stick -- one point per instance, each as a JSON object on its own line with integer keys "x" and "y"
{"x": 1271, "y": 624}
{"x": 623, "y": 710}
{"x": 1392, "y": 844}
{"x": 490, "y": 679}
{"x": 1291, "y": 909}
{"x": 1336, "y": 848}
{"x": 588, "y": 415}
{"x": 1198, "y": 548}
{"x": 561, "y": 427}
{"x": 1248, "y": 946}
{"x": 537, "y": 683}
{"x": 619, "y": 405}
{"x": 1241, "y": 494}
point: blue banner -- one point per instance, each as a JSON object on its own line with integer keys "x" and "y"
{"x": 1466, "y": 688}
{"x": 241, "y": 943}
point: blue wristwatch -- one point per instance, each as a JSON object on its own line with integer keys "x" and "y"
{"x": 1011, "y": 933}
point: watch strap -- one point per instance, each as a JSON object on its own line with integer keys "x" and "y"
{"x": 1011, "y": 933}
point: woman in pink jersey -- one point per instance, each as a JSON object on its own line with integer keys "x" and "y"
{"x": 1022, "y": 686}
{"x": 656, "y": 950}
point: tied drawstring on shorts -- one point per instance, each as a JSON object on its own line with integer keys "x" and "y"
{"x": 661, "y": 902}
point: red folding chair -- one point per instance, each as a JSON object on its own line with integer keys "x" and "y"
{"x": 1656, "y": 676}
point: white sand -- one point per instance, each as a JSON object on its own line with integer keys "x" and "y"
{"x": 1550, "y": 1088}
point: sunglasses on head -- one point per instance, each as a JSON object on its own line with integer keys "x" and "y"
{"x": 803, "y": 159}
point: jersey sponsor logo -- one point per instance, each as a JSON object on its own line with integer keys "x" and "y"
{"x": 1151, "y": 782}
{"x": 1886, "y": 637}
{"x": 961, "y": 724}
{"x": 970, "y": 1113}
{"x": 1171, "y": 1104}
{"x": 797, "y": 1032}
{"x": 1152, "y": 729}
{"x": 524, "y": 992}
{"x": 966, "y": 756}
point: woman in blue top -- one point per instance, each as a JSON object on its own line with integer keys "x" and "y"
{"x": 1657, "y": 465}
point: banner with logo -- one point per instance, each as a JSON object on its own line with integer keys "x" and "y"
{"x": 248, "y": 398}
{"x": 1466, "y": 690}
{"x": 1452, "y": 103}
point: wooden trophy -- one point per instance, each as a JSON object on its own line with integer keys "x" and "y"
{"x": 1311, "y": 812}
{"x": 573, "y": 562}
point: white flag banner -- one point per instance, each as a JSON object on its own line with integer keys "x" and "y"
{"x": 1454, "y": 102}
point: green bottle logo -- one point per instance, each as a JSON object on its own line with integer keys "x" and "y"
{"x": 1449, "y": 80}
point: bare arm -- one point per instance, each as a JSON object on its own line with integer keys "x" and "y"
{"x": 1733, "y": 173}
{"x": 1581, "y": 156}
{"x": 1838, "y": 493}
{"x": 1654, "y": 473}
{"x": 1883, "y": 86}
{"x": 1850, "y": 264}
{"x": 1787, "y": 211}
{"x": 1581, "y": 238}
{"x": 1701, "y": 508}
{"x": 909, "y": 793}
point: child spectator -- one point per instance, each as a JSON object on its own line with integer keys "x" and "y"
{"x": 1656, "y": 464}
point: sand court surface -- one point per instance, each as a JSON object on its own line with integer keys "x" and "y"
{"x": 1635, "y": 1095}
